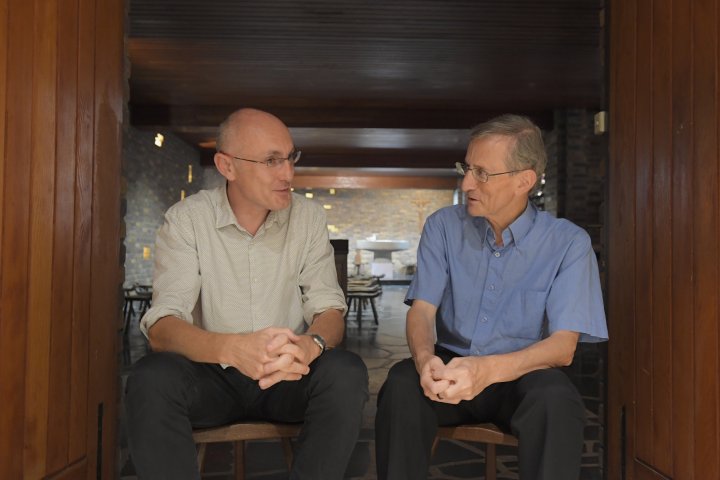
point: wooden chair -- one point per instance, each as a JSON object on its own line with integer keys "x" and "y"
{"x": 486, "y": 433}
{"x": 238, "y": 433}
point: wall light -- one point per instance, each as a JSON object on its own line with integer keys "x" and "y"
{"x": 146, "y": 253}
{"x": 309, "y": 195}
{"x": 327, "y": 206}
{"x": 159, "y": 139}
{"x": 331, "y": 191}
{"x": 182, "y": 194}
{"x": 189, "y": 173}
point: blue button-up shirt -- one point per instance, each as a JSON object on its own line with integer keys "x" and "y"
{"x": 495, "y": 299}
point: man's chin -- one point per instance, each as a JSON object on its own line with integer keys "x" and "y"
{"x": 474, "y": 210}
{"x": 281, "y": 202}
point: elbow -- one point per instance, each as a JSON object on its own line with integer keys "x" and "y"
{"x": 568, "y": 356}
{"x": 155, "y": 338}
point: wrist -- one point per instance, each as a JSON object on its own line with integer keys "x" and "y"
{"x": 421, "y": 358}
{"x": 317, "y": 344}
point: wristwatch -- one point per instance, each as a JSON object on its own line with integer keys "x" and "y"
{"x": 319, "y": 341}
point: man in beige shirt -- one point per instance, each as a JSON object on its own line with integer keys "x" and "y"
{"x": 246, "y": 310}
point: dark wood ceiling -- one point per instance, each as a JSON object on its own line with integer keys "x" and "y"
{"x": 363, "y": 83}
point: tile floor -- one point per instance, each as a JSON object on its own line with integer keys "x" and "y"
{"x": 380, "y": 347}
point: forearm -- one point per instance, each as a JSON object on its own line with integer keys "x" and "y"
{"x": 555, "y": 351}
{"x": 420, "y": 334}
{"x": 330, "y": 325}
{"x": 172, "y": 334}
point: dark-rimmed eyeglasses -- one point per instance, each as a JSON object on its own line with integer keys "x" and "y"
{"x": 272, "y": 162}
{"x": 478, "y": 173}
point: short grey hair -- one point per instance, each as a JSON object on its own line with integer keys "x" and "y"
{"x": 528, "y": 150}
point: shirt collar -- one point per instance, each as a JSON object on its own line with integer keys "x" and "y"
{"x": 224, "y": 215}
{"x": 522, "y": 225}
{"x": 517, "y": 230}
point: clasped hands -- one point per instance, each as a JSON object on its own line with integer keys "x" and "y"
{"x": 462, "y": 378}
{"x": 271, "y": 355}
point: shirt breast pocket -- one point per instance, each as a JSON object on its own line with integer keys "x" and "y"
{"x": 524, "y": 314}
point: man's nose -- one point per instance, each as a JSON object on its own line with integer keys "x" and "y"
{"x": 287, "y": 170}
{"x": 468, "y": 182}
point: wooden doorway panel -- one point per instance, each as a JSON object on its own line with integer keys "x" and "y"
{"x": 61, "y": 68}
{"x": 664, "y": 240}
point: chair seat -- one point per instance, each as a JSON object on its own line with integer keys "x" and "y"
{"x": 238, "y": 433}
{"x": 481, "y": 432}
{"x": 486, "y": 433}
{"x": 246, "y": 431}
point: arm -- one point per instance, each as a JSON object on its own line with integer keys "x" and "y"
{"x": 250, "y": 353}
{"x": 420, "y": 331}
{"x": 469, "y": 376}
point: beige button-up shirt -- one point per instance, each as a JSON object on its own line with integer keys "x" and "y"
{"x": 211, "y": 272}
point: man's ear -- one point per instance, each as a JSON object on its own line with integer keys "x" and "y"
{"x": 528, "y": 179}
{"x": 224, "y": 165}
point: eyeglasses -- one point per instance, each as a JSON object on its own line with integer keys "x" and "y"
{"x": 272, "y": 162}
{"x": 478, "y": 173}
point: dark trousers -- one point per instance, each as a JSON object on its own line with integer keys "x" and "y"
{"x": 168, "y": 395}
{"x": 543, "y": 409}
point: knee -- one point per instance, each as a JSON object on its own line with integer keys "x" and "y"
{"x": 554, "y": 393}
{"x": 156, "y": 377}
{"x": 343, "y": 372}
{"x": 402, "y": 383}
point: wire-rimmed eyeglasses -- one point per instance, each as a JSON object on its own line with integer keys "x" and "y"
{"x": 478, "y": 173}
{"x": 272, "y": 162}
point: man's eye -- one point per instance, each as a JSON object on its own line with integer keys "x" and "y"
{"x": 273, "y": 161}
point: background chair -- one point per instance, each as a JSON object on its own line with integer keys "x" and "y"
{"x": 360, "y": 292}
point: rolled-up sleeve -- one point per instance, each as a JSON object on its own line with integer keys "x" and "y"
{"x": 318, "y": 276}
{"x": 176, "y": 277}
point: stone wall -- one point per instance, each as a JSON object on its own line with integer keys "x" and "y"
{"x": 575, "y": 179}
{"x": 154, "y": 178}
{"x": 384, "y": 214}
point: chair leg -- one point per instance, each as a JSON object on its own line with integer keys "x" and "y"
{"x": 490, "y": 459}
{"x": 375, "y": 315}
{"x": 358, "y": 306}
{"x": 201, "y": 456}
{"x": 436, "y": 442}
{"x": 240, "y": 460}
{"x": 287, "y": 449}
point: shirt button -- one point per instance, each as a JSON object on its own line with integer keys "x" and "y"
{"x": 497, "y": 254}
{"x": 492, "y": 287}
{"x": 483, "y": 319}
{"x": 255, "y": 280}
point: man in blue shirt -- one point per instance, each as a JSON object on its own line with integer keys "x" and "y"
{"x": 501, "y": 296}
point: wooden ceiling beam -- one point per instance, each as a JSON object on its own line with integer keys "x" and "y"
{"x": 187, "y": 118}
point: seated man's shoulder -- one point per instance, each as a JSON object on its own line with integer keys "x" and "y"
{"x": 200, "y": 203}
{"x": 562, "y": 228}
{"x": 304, "y": 206}
{"x": 450, "y": 213}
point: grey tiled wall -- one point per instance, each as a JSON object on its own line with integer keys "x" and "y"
{"x": 154, "y": 178}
